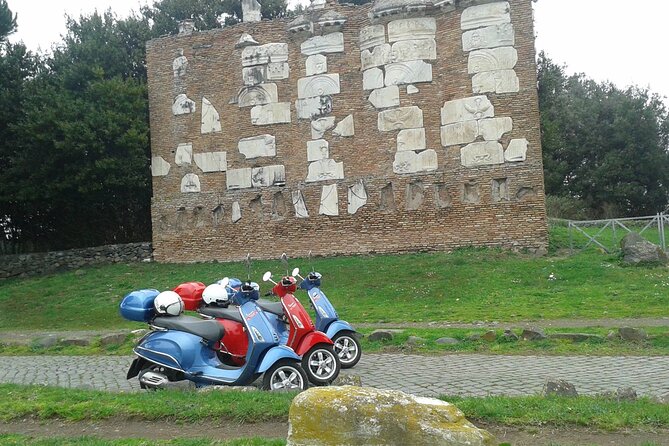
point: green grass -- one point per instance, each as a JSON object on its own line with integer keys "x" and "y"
{"x": 24, "y": 440}
{"x": 560, "y": 238}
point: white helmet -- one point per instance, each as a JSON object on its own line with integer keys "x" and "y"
{"x": 215, "y": 294}
{"x": 169, "y": 303}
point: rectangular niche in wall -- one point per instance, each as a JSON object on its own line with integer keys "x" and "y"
{"x": 387, "y": 203}
{"x": 442, "y": 197}
{"x": 256, "y": 208}
{"x": 471, "y": 193}
{"x": 217, "y": 215}
{"x": 500, "y": 190}
{"x": 279, "y": 208}
{"x": 415, "y": 196}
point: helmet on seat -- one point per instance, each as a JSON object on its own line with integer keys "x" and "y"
{"x": 313, "y": 276}
{"x": 168, "y": 303}
{"x": 216, "y": 294}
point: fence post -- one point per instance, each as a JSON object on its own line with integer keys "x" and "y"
{"x": 660, "y": 227}
{"x": 615, "y": 239}
{"x": 571, "y": 240}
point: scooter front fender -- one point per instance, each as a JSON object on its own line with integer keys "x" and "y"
{"x": 275, "y": 354}
{"x": 337, "y": 326}
{"x": 311, "y": 339}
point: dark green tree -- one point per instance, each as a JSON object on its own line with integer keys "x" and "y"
{"x": 7, "y": 21}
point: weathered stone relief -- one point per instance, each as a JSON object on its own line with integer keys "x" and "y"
{"x": 371, "y": 36}
{"x": 516, "y": 151}
{"x": 316, "y": 64}
{"x": 502, "y": 81}
{"x": 331, "y": 21}
{"x": 312, "y": 108}
{"x": 278, "y": 71}
{"x": 411, "y": 72}
{"x": 257, "y": 95}
{"x": 268, "y": 176}
{"x": 494, "y": 128}
{"x": 410, "y": 29}
{"x": 481, "y": 154}
{"x": 372, "y": 79}
{"x": 400, "y": 118}
{"x": 256, "y": 207}
{"x": 264, "y": 54}
{"x": 329, "y": 201}
{"x": 357, "y": 197}
{"x": 525, "y": 193}
{"x": 442, "y": 197}
{"x": 415, "y": 194}
{"x": 257, "y": 146}
{"x": 186, "y": 27}
{"x": 329, "y": 43}
{"x": 180, "y": 64}
{"x": 459, "y": 133}
{"x": 494, "y": 59}
{"x": 411, "y": 139}
{"x": 212, "y": 161}
{"x": 238, "y": 178}
{"x": 325, "y": 169}
{"x": 198, "y": 217}
{"x": 184, "y": 155}
{"x": 345, "y": 128}
{"x": 211, "y": 120}
{"x": 387, "y": 198}
{"x": 159, "y": 167}
{"x": 489, "y": 37}
{"x": 408, "y": 50}
{"x": 407, "y": 162}
{"x": 485, "y": 15}
{"x": 190, "y": 183}
{"x": 385, "y": 97}
{"x": 301, "y": 24}
{"x": 299, "y": 204}
{"x": 245, "y": 40}
{"x": 254, "y": 75}
{"x": 318, "y": 85}
{"x": 471, "y": 193}
{"x": 375, "y": 57}
{"x": 217, "y": 215}
{"x": 320, "y": 126}
{"x": 500, "y": 190}
{"x": 467, "y": 109}
{"x": 251, "y": 11}
{"x": 279, "y": 210}
{"x": 318, "y": 150}
{"x": 183, "y": 106}
{"x": 236, "y": 212}
{"x": 278, "y": 113}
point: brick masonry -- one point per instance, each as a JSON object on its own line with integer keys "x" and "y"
{"x": 198, "y": 226}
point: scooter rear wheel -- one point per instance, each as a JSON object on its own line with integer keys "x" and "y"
{"x": 285, "y": 375}
{"x": 347, "y": 348}
{"x": 321, "y": 364}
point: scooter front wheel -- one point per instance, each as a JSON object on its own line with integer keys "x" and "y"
{"x": 321, "y": 364}
{"x": 348, "y": 349}
{"x": 285, "y": 375}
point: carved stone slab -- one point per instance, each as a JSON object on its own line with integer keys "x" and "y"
{"x": 385, "y": 97}
{"x": 411, "y": 162}
{"x": 238, "y": 178}
{"x": 257, "y": 95}
{"x": 357, "y": 197}
{"x": 406, "y": 50}
{"x": 320, "y": 126}
{"x": 489, "y": 37}
{"x": 159, "y": 167}
{"x": 212, "y": 161}
{"x": 236, "y": 213}
{"x": 492, "y": 129}
{"x": 318, "y": 85}
{"x": 467, "y": 109}
{"x": 299, "y": 205}
{"x": 323, "y": 170}
{"x": 278, "y": 70}
{"x": 376, "y": 57}
{"x": 257, "y": 146}
{"x": 268, "y": 176}
{"x": 318, "y": 150}
{"x": 459, "y": 133}
{"x": 184, "y": 155}
{"x": 371, "y": 36}
{"x": 400, "y": 118}
{"x": 278, "y": 113}
{"x": 481, "y": 154}
{"x": 245, "y": 40}
{"x": 485, "y": 15}
{"x": 412, "y": 89}
{"x": 345, "y": 128}
{"x": 180, "y": 65}
{"x": 316, "y": 64}
{"x": 409, "y": 29}
{"x": 183, "y": 106}
{"x": 211, "y": 121}
{"x": 503, "y": 81}
{"x": 263, "y": 54}
{"x": 329, "y": 200}
{"x": 372, "y": 79}
{"x": 329, "y": 43}
{"x": 190, "y": 183}
{"x": 493, "y": 59}
{"x": 250, "y": 11}
{"x": 517, "y": 150}
{"x": 411, "y": 139}
{"x": 311, "y": 108}
{"x": 408, "y": 73}
{"x": 254, "y": 75}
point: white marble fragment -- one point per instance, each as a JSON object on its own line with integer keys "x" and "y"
{"x": 411, "y": 72}
{"x": 211, "y": 120}
{"x": 318, "y": 150}
{"x": 409, "y": 29}
{"x": 183, "y": 106}
{"x": 238, "y": 178}
{"x": 251, "y": 11}
{"x": 407, "y": 50}
{"x": 245, "y": 40}
{"x": 264, "y": 54}
{"x": 329, "y": 43}
{"x": 268, "y": 176}
{"x": 345, "y": 128}
{"x": 184, "y": 155}
{"x": 257, "y": 146}
{"x": 159, "y": 167}
{"x": 236, "y": 212}
{"x": 372, "y": 79}
{"x": 316, "y": 64}
{"x": 357, "y": 197}
{"x": 385, "y": 97}
{"x": 489, "y": 37}
{"x": 329, "y": 201}
{"x": 494, "y": 128}
{"x": 376, "y": 57}
{"x": 400, "y": 118}
{"x": 257, "y": 95}
{"x": 254, "y": 75}
{"x": 467, "y": 109}
{"x": 503, "y": 81}
{"x": 180, "y": 65}
{"x": 411, "y": 139}
{"x": 408, "y": 162}
{"x": 488, "y": 14}
{"x": 190, "y": 183}
{"x": 326, "y": 169}
{"x": 411, "y": 89}
{"x": 516, "y": 151}
{"x": 481, "y": 154}
{"x": 492, "y": 59}
{"x": 371, "y": 36}
{"x": 318, "y": 85}
{"x": 278, "y": 71}
{"x": 320, "y": 126}
{"x": 459, "y": 133}
{"x": 311, "y": 108}
{"x": 212, "y": 161}
{"x": 299, "y": 204}
{"x": 278, "y": 113}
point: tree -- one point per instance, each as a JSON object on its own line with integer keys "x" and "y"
{"x": 7, "y": 21}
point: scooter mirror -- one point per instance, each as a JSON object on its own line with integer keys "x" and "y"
{"x": 224, "y": 281}
{"x": 295, "y": 272}
{"x": 267, "y": 276}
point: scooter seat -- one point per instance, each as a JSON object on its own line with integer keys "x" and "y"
{"x": 230, "y": 314}
{"x": 270, "y": 307}
{"x": 209, "y": 330}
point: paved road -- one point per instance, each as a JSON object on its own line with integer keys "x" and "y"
{"x": 467, "y": 375}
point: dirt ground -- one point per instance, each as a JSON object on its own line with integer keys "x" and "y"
{"x": 116, "y": 429}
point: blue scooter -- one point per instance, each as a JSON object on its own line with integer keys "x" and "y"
{"x": 182, "y": 347}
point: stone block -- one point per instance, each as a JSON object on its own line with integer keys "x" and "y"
{"x": 190, "y": 183}
{"x": 467, "y": 109}
{"x": 400, "y": 118}
{"x": 357, "y": 196}
{"x": 372, "y": 79}
{"x": 113, "y": 339}
{"x": 408, "y": 162}
{"x": 411, "y": 29}
{"x": 316, "y": 64}
{"x": 159, "y": 167}
{"x": 329, "y": 43}
{"x": 559, "y": 387}
{"x": 245, "y": 40}
{"x": 503, "y": 81}
{"x": 459, "y": 133}
{"x": 180, "y": 65}
{"x": 376, "y": 57}
{"x": 312, "y": 108}
{"x": 236, "y": 213}
{"x": 257, "y": 95}
{"x": 278, "y": 71}
{"x": 411, "y": 139}
{"x": 76, "y": 341}
{"x": 482, "y": 154}
{"x": 254, "y": 75}
{"x": 385, "y": 97}
{"x": 212, "y": 161}
{"x": 493, "y": 59}
{"x": 264, "y": 54}
{"x": 411, "y": 72}
{"x": 320, "y": 126}
{"x": 516, "y": 151}
{"x": 184, "y": 155}
{"x": 183, "y": 106}
{"x": 269, "y": 114}
{"x": 493, "y": 129}
{"x": 299, "y": 204}
{"x": 408, "y": 50}
{"x": 533, "y": 334}
{"x": 317, "y": 150}
{"x": 257, "y": 146}
{"x": 637, "y": 250}
{"x": 371, "y": 36}
{"x": 318, "y": 85}
{"x": 412, "y": 89}
{"x": 488, "y": 14}
{"x": 211, "y": 120}
{"x": 345, "y": 128}
{"x": 238, "y": 178}
{"x": 488, "y": 37}
{"x": 329, "y": 201}
{"x": 251, "y": 11}
{"x": 324, "y": 170}
{"x": 268, "y": 176}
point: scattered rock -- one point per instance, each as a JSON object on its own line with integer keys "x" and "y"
{"x": 510, "y": 335}
{"x": 447, "y": 341}
{"x": 79, "y": 272}
{"x": 637, "y": 250}
{"x": 113, "y": 339}
{"x": 576, "y": 337}
{"x": 612, "y": 335}
{"x": 632, "y": 334}
{"x": 489, "y": 336}
{"x": 347, "y": 380}
{"x": 559, "y": 387}
{"x": 380, "y": 335}
{"x": 46, "y": 341}
{"x": 414, "y": 341}
{"x": 532, "y": 334}
{"x": 358, "y": 416}
{"x": 626, "y": 394}
{"x": 475, "y": 337}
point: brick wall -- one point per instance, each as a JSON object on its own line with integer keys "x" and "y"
{"x": 425, "y": 211}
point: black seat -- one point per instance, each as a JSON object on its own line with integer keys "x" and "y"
{"x": 209, "y": 330}
{"x": 229, "y": 314}
{"x": 270, "y": 307}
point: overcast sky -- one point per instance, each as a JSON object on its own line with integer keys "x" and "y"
{"x": 614, "y": 40}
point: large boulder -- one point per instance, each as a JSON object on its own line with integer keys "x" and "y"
{"x": 356, "y": 416}
{"x": 638, "y": 250}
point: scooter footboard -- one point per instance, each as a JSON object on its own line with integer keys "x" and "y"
{"x": 337, "y": 326}
{"x": 275, "y": 354}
